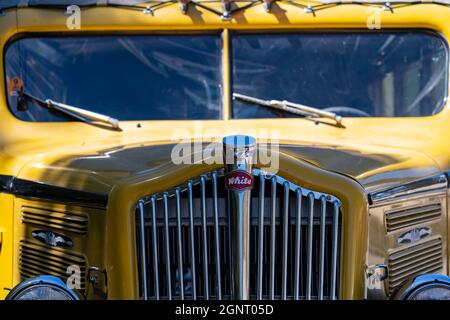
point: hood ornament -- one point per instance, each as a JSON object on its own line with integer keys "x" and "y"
{"x": 238, "y": 158}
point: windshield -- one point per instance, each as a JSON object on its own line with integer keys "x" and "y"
{"x": 180, "y": 77}
{"x": 152, "y": 77}
{"x": 398, "y": 74}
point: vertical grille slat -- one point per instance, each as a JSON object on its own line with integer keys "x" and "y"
{"x": 155, "y": 249}
{"x": 192, "y": 241}
{"x": 167, "y": 247}
{"x": 143, "y": 246}
{"x": 205, "y": 239}
{"x": 310, "y": 247}
{"x": 323, "y": 205}
{"x": 298, "y": 235}
{"x": 180, "y": 246}
{"x": 273, "y": 237}
{"x": 261, "y": 237}
{"x": 334, "y": 257}
{"x": 183, "y": 236}
{"x": 285, "y": 240}
{"x": 217, "y": 239}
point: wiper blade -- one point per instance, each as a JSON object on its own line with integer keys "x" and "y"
{"x": 74, "y": 112}
{"x": 291, "y": 107}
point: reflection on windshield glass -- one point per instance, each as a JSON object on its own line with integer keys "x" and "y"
{"x": 126, "y": 77}
{"x": 352, "y": 74}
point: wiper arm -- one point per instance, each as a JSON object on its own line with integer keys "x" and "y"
{"x": 74, "y": 112}
{"x": 294, "y": 108}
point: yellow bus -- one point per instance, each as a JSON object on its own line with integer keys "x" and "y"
{"x": 205, "y": 149}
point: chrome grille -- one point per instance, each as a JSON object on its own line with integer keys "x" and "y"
{"x": 183, "y": 247}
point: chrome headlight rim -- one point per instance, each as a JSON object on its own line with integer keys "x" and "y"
{"x": 43, "y": 281}
{"x": 421, "y": 283}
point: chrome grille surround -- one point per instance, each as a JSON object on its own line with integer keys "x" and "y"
{"x": 188, "y": 226}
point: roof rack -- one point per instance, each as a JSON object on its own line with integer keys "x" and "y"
{"x": 229, "y": 7}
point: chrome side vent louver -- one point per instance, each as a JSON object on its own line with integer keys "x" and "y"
{"x": 37, "y": 259}
{"x": 56, "y": 220}
{"x": 418, "y": 259}
{"x": 406, "y": 217}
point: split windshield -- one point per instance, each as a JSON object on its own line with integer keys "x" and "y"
{"x": 351, "y": 74}
{"x": 179, "y": 77}
{"x": 156, "y": 77}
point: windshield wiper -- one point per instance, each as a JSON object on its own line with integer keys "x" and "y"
{"x": 294, "y": 108}
{"x": 74, "y": 112}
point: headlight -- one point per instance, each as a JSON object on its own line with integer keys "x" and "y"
{"x": 42, "y": 288}
{"x": 426, "y": 287}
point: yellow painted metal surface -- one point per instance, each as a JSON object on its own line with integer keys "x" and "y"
{"x": 6, "y": 246}
{"x": 373, "y": 166}
{"x": 70, "y": 154}
{"x": 87, "y": 246}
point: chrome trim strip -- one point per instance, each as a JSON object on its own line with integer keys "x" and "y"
{"x": 230, "y": 254}
{"x": 310, "y": 247}
{"x": 435, "y": 183}
{"x": 293, "y": 187}
{"x": 298, "y": 237}
{"x": 285, "y": 240}
{"x": 205, "y": 239}
{"x": 33, "y": 189}
{"x": 217, "y": 239}
{"x": 323, "y": 205}
{"x": 180, "y": 246}
{"x": 334, "y": 263}
{"x": 272, "y": 237}
{"x": 256, "y": 173}
{"x": 260, "y": 238}
{"x": 143, "y": 251}
{"x": 238, "y": 156}
{"x": 191, "y": 237}
{"x": 166, "y": 237}
{"x": 155, "y": 248}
